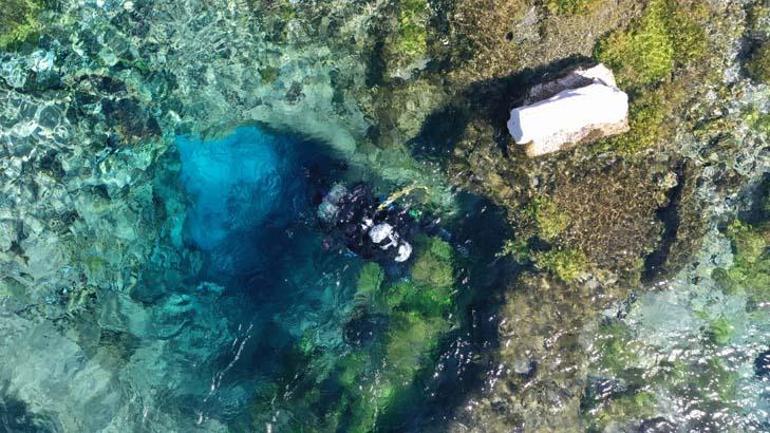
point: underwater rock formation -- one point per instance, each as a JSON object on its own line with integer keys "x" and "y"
{"x": 583, "y": 106}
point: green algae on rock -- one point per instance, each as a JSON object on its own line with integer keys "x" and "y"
{"x": 750, "y": 272}
{"x": 376, "y": 378}
{"x": 758, "y": 38}
{"x": 645, "y": 54}
{"x": 668, "y": 37}
{"x": 408, "y": 44}
{"x": 571, "y": 7}
{"x": 551, "y": 221}
{"x": 369, "y": 279}
{"x": 19, "y": 20}
{"x": 567, "y": 264}
{"x": 668, "y": 33}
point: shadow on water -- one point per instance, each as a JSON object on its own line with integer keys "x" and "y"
{"x": 487, "y": 100}
{"x": 759, "y": 211}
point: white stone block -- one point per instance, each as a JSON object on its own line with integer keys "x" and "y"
{"x": 585, "y": 105}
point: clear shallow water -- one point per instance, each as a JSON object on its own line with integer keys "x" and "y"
{"x": 693, "y": 347}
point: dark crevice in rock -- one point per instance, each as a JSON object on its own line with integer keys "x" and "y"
{"x": 759, "y": 210}
{"x": 375, "y": 65}
{"x": 669, "y": 216}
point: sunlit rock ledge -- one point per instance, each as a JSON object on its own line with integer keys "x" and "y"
{"x": 583, "y": 106}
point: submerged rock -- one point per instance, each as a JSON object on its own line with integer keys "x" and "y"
{"x": 583, "y": 106}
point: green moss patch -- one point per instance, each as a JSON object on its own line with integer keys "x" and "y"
{"x": 409, "y": 40}
{"x": 666, "y": 35}
{"x": 551, "y": 221}
{"x": 617, "y": 349}
{"x": 19, "y": 21}
{"x": 750, "y": 272}
{"x": 720, "y": 331}
{"x": 412, "y": 34}
{"x": 626, "y": 408}
{"x": 759, "y": 122}
{"x": 369, "y": 280}
{"x": 433, "y": 266}
{"x": 571, "y": 7}
{"x": 517, "y": 249}
{"x": 644, "y": 53}
{"x": 568, "y": 264}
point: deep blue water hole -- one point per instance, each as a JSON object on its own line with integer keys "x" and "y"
{"x": 235, "y": 181}
{"x": 252, "y": 210}
{"x": 244, "y": 189}
{"x": 252, "y": 205}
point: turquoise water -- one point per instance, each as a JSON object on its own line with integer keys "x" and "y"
{"x": 235, "y": 183}
{"x": 251, "y": 213}
{"x": 245, "y": 189}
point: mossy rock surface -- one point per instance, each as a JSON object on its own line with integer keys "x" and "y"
{"x": 550, "y": 219}
{"x": 750, "y": 271}
{"x": 625, "y": 409}
{"x": 567, "y": 264}
{"x": 19, "y": 21}
{"x": 668, "y": 34}
{"x": 407, "y": 43}
{"x": 375, "y": 381}
{"x": 370, "y": 279}
{"x": 644, "y": 53}
{"x": 617, "y": 350}
{"x": 610, "y": 208}
{"x": 720, "y": 331}
{"x": 433, "y": 266}
{"x": 646, "y": 56}
{"x": 537, "y": 308}
{"x": 571, "y": 7}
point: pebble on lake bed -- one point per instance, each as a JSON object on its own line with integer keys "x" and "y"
{"x": 582, "y": 106}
